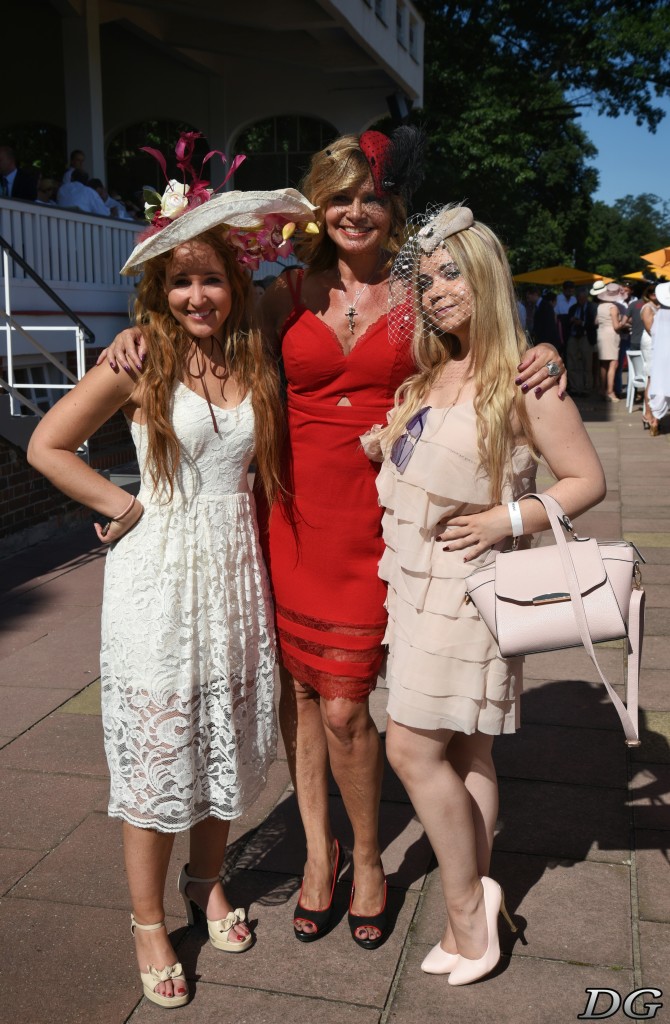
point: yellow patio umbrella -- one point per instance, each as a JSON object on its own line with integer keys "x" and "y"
{"x": 643, "y": 275}
{"x": 660, "y": 258}
{"x": 557, "y": 275}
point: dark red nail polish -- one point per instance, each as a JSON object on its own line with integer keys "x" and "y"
{"x": 517, "y": 380}
{"x": 524, "y": 388}
{"x": 538, "y": 392}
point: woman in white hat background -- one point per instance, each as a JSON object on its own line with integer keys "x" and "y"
{"x": 610, "y": 324}
{"x": 188, "y": 653}
{"x": 659, "y": 378}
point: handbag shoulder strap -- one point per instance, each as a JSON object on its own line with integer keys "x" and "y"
{"x": 559, "y": 523}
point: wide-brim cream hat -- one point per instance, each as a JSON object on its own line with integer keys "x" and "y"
{"x": 241, "y": 211}
{"x": 610, "y": 291}
{"x": 662, "y": 293}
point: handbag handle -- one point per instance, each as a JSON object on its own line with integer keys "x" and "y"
{"x": 559, "y": 523}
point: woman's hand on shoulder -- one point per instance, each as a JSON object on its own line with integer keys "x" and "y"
{"x": 476, "y": 533}
{"x": 128, "y": 349}
{"x": 533, "y": 375}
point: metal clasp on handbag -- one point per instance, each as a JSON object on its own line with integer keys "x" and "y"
{"x": 550, "y": 598}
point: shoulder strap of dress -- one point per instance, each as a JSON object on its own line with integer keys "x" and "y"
{"x": 295, "y": 285}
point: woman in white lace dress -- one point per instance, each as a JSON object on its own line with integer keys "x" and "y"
{"x": 187, "y": 661}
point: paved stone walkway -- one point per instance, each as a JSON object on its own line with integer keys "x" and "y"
{"x": 581, "y": 849}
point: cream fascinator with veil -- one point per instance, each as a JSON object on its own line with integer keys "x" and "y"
{"x": 259, "y": 225}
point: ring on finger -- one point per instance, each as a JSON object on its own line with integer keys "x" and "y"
{"x": 553, "y": 369}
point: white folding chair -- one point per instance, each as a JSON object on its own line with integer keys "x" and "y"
{"x": 637, "y": 376}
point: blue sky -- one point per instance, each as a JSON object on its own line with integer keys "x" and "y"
{"x": 630, "y": 159}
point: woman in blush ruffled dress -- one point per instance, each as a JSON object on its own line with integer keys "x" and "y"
{"x": 460, "y": 445}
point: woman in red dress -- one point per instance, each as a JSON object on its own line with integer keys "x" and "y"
{"x": 323, "y": 541}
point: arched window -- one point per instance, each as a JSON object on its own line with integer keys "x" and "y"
{"x": 129, "y": 170}
{"x": 278, "y": 150}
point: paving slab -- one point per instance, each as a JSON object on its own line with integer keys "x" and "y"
{"x": 555, "y": 753}
{"x": 67, "y": 964}
{"x": 653, "y": 875}
{"x": 655, "y": 956}
{"x": 533, "y": 816}
{"x": 60, "y": 743}
{"x": 341, "y": 966}
{"x": 65, "y": 658}
{"x": 23, "y": 707}
{"x": 215, "y": 1003}
{"x": 14, "y": 864}
{"x": 650, "y": 796}
{"x": 522, "y": 989}
{"x": 40, "y": 809}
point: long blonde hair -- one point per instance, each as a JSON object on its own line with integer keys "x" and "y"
{"x": 341, "y": 165}
{"x": 497, "y": 344}
{"x": 245, "y": 355}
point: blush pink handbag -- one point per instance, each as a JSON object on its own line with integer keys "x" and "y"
{"x": 551, "y": 598}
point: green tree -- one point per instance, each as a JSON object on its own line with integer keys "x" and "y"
{"x": 616, "y": 236}
{"x": 504, "y": 83}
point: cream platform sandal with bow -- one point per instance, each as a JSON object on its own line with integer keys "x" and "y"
{"x": 219, "y": 931}
{"x": 153, "y": 977}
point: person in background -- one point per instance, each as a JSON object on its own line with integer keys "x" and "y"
{"x": 76, "y": 195}
{"x": 46, "y": 191}
{"x": 77, "y": 161}
{"x": 545, "y": 323}
{"x": 15, "y": 182}
{"x": 610, "y": 324}
{"x": 626, "y": 297}
{"x": 115, "y": 207}
{"x": 531, "y": 299}
{"x": 564, "y": 301}
{"x": 580, "y": 353}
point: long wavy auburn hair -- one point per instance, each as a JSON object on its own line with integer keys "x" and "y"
{"x": 341, "y": 165}
{"x": 246, "y": 357}
{"x": 497, "y": 344}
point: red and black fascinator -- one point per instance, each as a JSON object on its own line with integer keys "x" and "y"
{"x": 396, "y": 162}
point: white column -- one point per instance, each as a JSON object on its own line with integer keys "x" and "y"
{"x": 83, "y": 87}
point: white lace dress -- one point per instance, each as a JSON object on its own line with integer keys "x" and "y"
{"x": 188, "y": 656}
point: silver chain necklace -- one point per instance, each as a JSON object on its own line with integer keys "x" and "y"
{"x": 351, "y": 311}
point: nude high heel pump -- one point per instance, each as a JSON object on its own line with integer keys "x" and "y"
{"x": 152, "y": 977}
{"x": 219, "y": 931}
{"x": 439, "y": 962}
{"x": 467, "y": 971}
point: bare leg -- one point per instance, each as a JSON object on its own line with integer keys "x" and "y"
{"x": 147, "y": 855}
{"x": 471, "y": 757}
{"x": 445, "y": 809}
{"x": 207, "y": 842}
{"x": 648, "y": 414}
{"x": 356, "y": 759}
{"x": 307, "y": 753}
{"x": 611, "y": 371}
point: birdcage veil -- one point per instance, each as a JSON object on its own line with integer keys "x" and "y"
{"x": 425, "y": 235}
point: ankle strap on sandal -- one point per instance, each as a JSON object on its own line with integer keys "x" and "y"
{"x": 192, "y": 878}
{"x": 144, "y": 927}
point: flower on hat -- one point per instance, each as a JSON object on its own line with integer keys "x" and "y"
{"x": 179, "y": 196}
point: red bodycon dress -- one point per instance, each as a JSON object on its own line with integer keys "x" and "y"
{"x": 324, "y": 543}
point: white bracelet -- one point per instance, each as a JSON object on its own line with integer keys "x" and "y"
{"x": 515, "y": 518}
